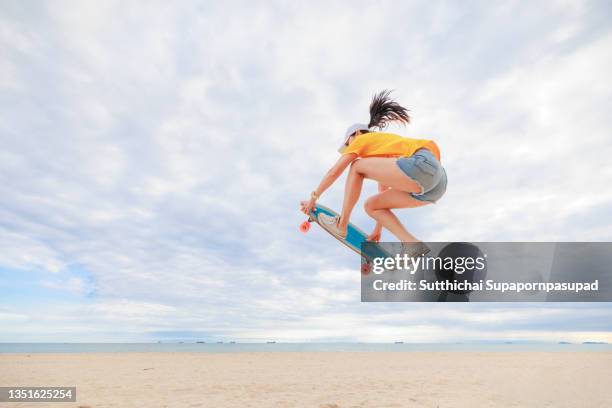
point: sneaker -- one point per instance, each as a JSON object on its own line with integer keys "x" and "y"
{"x": 415, "y": 249}
{"x": 330, "y": 223}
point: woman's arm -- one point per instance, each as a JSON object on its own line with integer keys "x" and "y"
{"x": 329, "y": 178}
{"x": 335, "y": 172}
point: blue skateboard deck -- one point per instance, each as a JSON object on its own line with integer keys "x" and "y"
{"x": 354, "y": 237}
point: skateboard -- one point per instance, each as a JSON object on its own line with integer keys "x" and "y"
{"x": 354, "y": 238}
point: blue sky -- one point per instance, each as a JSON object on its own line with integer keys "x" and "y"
{"x": 153, "y": 158}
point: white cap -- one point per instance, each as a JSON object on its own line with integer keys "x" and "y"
{"x": 351, "y": 129}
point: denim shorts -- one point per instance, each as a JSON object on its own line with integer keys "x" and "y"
{"x": 426, "y": 170}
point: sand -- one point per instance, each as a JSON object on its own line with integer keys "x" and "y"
{"x": 325, "y": 379}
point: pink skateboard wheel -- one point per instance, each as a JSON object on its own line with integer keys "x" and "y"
{"x": 365, "y": 268}
{"x": 305, "y": 226}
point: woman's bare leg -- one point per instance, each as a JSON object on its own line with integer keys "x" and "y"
{"x": 352, "y": 191}
{"x": 379, "y": 207}
{"x": 386, "y": 171}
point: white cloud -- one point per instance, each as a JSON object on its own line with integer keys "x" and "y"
{"x": 74, "y": 285}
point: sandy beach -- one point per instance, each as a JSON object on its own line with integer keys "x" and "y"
{"x": 325, "y": 379}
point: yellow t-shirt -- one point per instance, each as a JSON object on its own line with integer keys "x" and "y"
{"x": 389, "y": 145}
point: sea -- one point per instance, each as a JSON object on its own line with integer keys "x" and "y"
{"x": 238, "y": 347}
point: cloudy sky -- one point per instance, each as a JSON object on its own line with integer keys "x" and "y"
{"x": 153, "y": 156}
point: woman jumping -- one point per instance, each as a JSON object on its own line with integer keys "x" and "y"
{"x": 408, "y": 172}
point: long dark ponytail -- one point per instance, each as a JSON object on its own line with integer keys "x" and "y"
{"x": 383, "y": 110}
